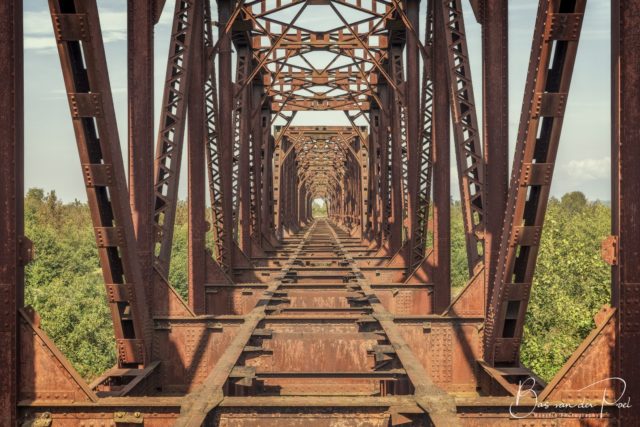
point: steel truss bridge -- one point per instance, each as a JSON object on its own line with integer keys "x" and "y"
{"x": 346, "y": 320}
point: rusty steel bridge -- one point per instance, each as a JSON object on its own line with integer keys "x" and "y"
{"x": 345, "y": 320}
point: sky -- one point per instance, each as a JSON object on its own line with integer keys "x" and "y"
{"x": 583, "y": 162}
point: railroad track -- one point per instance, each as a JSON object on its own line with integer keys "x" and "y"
{"x": 355, "y": 362}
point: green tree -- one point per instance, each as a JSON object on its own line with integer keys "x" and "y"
{"x": 319, "y": 208}
{"x": 459, "y": 265}
{"x": 178, "y": 274}
{"x": 574, "y": 202}
{"x": 64, "y": 283}
{"x": 571, "y": 283}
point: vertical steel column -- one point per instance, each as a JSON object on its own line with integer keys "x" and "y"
{"x": 288, "y": 195}
{"x": 267, "y": 175}
{"x": 397, "y": 187}
{"x": 284, "y": 196}
{"x": 293, "y": 194}
{"x": 383, "y": 144}
{"x": 225, "y": 108}
{"x": 365, "y": 185}
{"x": 278, "y": 190}
{"x": 495, "y": 121}
{"x": 354, "y": 206}
{"x": 196, "y": 164}
{"x": 168, "y": 156}
{"x": 140, "y": 22}
{"x": 374, "y": 162}
{"x": 244, "y": 180}
{"x": 11, "y": 204}
{"x": 625, "y": 153}
{"x": 302, "y": 198}
{"x": 466, "y": 133}
{"x": 441, "y": 168}
{"x": 216, "y": 194}
{"x": 420, "y": 234}
{"x": 413, "y": 114}
{"x": 257, "y": 148}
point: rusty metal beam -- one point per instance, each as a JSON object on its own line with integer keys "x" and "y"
{"x": 242, "y": 158}
{"x": 420, "y": 232}
{"x": 385, "y": 171}
{"x": 413, "y": 122}
{"x": 171, "y": 130}
{"x": 441, "y": 138}
{"x": 220, "y": 234}
{"x": 397, "y": 140}
{"x": 225, "y": 129}
{"x": 140, "y": 55}
{"x": 466, "y": 132}
{"x": 196, "y": 163}
{"x": 13, "y": 244}
{"x": 259, "y": 131}
{"x": 553, "y": 54}
{"x": 158, "y": 7}
{"x": 198, "y": 404}
{"x": 495, "y": 124}
{"x": 84, "y": 68}
{"x": 625, "y": 134}
{"x": 374, "y": 178}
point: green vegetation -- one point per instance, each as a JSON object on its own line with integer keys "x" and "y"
{"x": 319, "y": 208}
{"x": 64, "y": 282}
{"x": 571, "y": 282}
{"x": 178, "y": 267}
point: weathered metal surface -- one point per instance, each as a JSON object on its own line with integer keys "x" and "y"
{"x": 196, "y": 267}
{"x": 365, "y": 361}
{"x": 495, "y": 123}
{"x": 84, "y": 68}
{"x": 294, "y": 320}
{"x": 594, "y": 358}
{"x": 553, "y": 55}
{"x": 225, "y": 135}
{"x": 45, "y": 374}
{"x": 625, "y": 291}
{"x": 466, "y": 132}
{"x": 439, "y": 260}
{"x": 140, "y": 57}
{"x": 11, "y": 206}
{"x": 221, "y": 251}
{"x": 169, "y": 144}
{"x": 424, "y": 167}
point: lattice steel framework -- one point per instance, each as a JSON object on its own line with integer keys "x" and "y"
{"x": 171, "y": 132}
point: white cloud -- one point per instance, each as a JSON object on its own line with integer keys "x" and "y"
{"x": 166, "y": 18}
{"x": 61, "y": 93}
{"x": 528, "y": 5}
{"x": 39, "y": 32}
{"x": 39, "y": 43}
{"x": 589, "y": 169}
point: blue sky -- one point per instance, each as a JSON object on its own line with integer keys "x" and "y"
{"x": 52, "y": 159}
